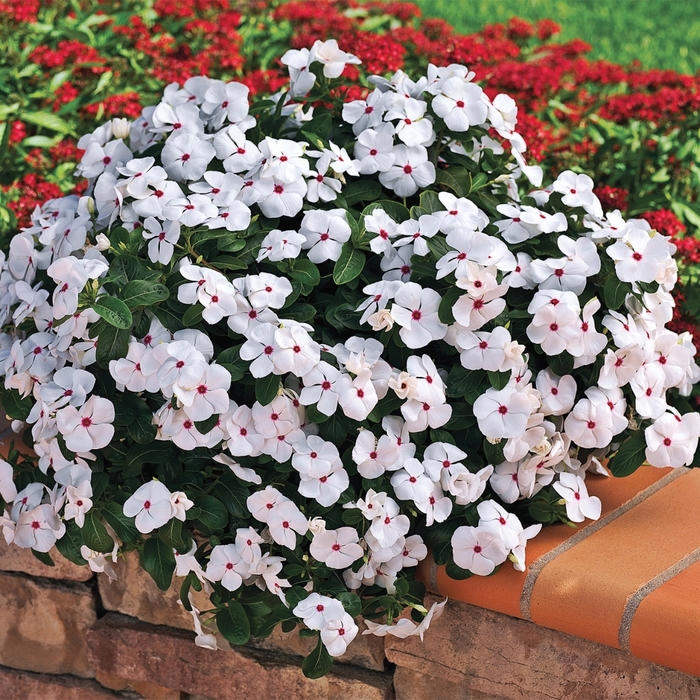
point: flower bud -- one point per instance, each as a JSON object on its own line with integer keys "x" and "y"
{"x": 102, "y": 242}
{"x": 121, "y": 128}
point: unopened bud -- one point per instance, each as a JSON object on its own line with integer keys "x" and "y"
{"x": 121, "y": 128}
{"x": 102, "y": 242}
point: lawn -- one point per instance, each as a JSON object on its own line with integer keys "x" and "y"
{"x": 659, "y": 33}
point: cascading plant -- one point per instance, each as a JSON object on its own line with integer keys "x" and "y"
{"x": 282, "y": 347}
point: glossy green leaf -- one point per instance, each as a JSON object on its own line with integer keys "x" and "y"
{"x": 114, "y": 311}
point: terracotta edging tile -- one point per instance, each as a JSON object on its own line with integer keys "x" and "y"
{"x": 584, "y": 590}
{"x": 504, "y": 591}
{"x": 666, "y": 626}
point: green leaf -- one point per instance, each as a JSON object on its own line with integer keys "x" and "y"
{"x": 114, "y": 311}
{"x": 44, "y": 557}
{"x": 171, "y": 534}
{"x": 213, "y": 515}
{"x": 266, "y": 389}
{"x": 122, "y": 525}
{"x": 456, "y": 572}
{"x": 480, "y": 180}
{"x": 349, "y": 265}
{"x": 158, "y": 560}
{"x": 318, "y": 663}
{"x": 305, "y": 272}
{"x": 446, "y": 303}
{"x": 499, "y": 379}
{"x": 456, "y": 179}
{"x": 233, "y": 623}
{"x": 95, "y": 535}
{"x": 193, "y": 315}
{"x": 125, "y": 268}
{"x": 362, "y": 191}
{"x": 228, "y": 262}
{"x": 142, "y": 430}
{"x": 143, "y": 293}
{"x": 69, "y": 545}
{"x": 150, "y": 453}
{"x": 351, "y": 602}
{"x": 205, "y": 426}
{"x": 300, "y": 312}
{"x": 561, "y": 364}
{"x": 48, "y": 121}
{"x": 630, "y": 456}
{"x": 494, "y": 453}
{"x": 398, "y": 212}
{"x": 233, "y": 495}
{"x": 615, "y": 292}
{"x": 14, "y": 406}
{"x": 430, "y": 202}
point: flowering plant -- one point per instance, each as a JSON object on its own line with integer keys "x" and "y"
{"x": 282, "y": 346}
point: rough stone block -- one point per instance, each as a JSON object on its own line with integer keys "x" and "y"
{"x": 131, "y": 649}
{"x": 134, "y": 593}
{"x": 143, "y": 688}
{"x": 411, "y": 685}
{"x": 43, "y": 625}
{"x": 502, "y": 657}
{"x": 22, "y": 685}
{"x": 366, "y": 650}
{"x": 13, "y": 558}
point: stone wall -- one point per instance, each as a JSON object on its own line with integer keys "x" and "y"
{"x": 68, "y": 635}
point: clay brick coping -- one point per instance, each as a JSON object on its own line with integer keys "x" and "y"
{"x": 631, "y": 580}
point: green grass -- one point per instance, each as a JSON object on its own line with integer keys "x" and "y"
{"x": 659, "y": 33}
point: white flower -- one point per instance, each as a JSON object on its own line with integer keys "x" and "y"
{"x": 672, "y": 440}
{"x": 504, "y": 413}
{"x": 460, "y": 104}
{"x": 375, "y": 150}
{"x": 558, "y": 393}
{"x": 337, "y": 549}
{"x": 578, "y": 192}
{"x": 411, "y": 483}
{"x": 357, "y": 397}
{"x": 186, "y": 157}
{"x": 281, "y": 198}
{"x": 298, "y": 62}
{"x": 8, "y": 490}
{"x": 161, "y": 237}
{"x": 226, "y": 101}
{"x": 278, "y": 245}
{"x": 78, "y": 502}
{"x": 495, "y": 518}
{"x": 261, "y": 503}
{"x": 317, "y": 611}
{"x": 579, "y": 505}
{"x": 373, "y": 456}
{"x": 337, "y": 634}
{"x": 410, "y": 171}
{"x": 324, "y": 233}
{"x": 477, "y": 549}
{"x": 416, "y": 232}
{"x": 333, "y": 59}
{"x": 38, "y": 528}
{"x": 555, "y": 328}
{"x": 415, "y": 309}
{"x": 88, "y": 428}
{"x": 284, "y": 520}
{"x": 150, "y": 504}
{"x": 297, "y": 352}
{"x": 227, "y": 566}
{"x": 181, "y": 504}
{"x": 638, "y": 255}
{"x": 590, "y": 424}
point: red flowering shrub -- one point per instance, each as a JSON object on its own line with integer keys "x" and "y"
{"x": 633, "y": 130}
